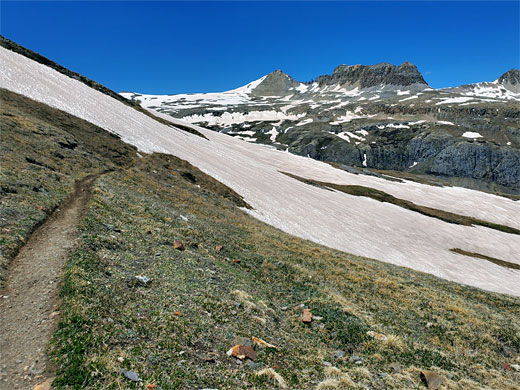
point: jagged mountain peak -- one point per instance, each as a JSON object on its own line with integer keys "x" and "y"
{"x": 512, "y": 77}
{"x": 367, "y": 76}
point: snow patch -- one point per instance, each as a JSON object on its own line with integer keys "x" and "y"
{"x": 273, "y": 134}
{"x": 471, "y": 134}
{"x": 229, "y": 118}
{"x": 460, "y": 99}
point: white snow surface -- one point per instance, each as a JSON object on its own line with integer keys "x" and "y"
{"x": 357, "y": 225}
{"x": 229, "y": 118}
{"x": 459, "y": 99}
{"x": 273, "y": 133}
{"x": 471, "y": 134}
{"x": 490, "y": 90}
{"x": 235, "y": 96}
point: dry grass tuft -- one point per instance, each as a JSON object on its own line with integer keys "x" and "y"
{"x": 272, "y": 374}
{"x": 344, "y": 382}
{"x": 394, "y": 342}
{"x": 244, "y": 298}
{"x": 332, "y": 372}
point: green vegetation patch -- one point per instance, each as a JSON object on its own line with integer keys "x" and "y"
{"x": 382, "y": 196}
{"x": 44, "y": 153}
{"x": 174, "y": 331}
{"x": 494, "y": 260}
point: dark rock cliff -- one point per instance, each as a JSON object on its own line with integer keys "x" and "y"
{"x": 366, "y": 76}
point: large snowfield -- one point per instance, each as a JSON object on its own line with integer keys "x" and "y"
{"x": 357, "y": 225}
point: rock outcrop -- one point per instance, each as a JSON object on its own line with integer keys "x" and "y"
{"x": 382, "y": 74}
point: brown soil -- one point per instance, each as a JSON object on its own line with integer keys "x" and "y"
{"x": 29, "y": 302}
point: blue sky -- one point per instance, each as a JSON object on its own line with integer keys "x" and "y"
{"x": 175, "y": 47}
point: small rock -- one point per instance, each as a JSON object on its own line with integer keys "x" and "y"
{"x": 242, "y": 352}
{"x": 185, "y": 219}
{"x": 131, "y": 375}
{"x": 317, "y": 318}
{"x": 143, "y": 279}
{"x": 327, "y": 364}
{"x": 307, "y": 316}
{"x": 283, "y": 308}
{"x": 396, "y": 367}
{"x": 252, "y": 364}
{"x": 178, "y": 244}
{"x": 515, "y": 367}
{"x": 431, "y": 379}
{"x": 382, "y": 374}
{"x": 339, "y": 354}
{"x": 218, "y": 248}
{"x": 178, "y": 313}
{"x": 120, "y": 359}
{"x": 236, "y": 261}
{"x": 356, "y": 359}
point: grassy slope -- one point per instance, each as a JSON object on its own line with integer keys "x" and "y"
{"x": 44, "y": 151}
{"x": 133, "y": 218}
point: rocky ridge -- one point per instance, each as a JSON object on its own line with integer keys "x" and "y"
{"x": 364, "y": 76}
{"x": 381, "y": 117}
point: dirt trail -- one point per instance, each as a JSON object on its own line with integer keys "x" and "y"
{"x": 29, "y": 302}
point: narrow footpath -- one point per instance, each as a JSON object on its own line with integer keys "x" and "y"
{"x": 29, "y": 302}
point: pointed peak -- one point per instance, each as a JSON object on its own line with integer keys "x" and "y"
{"x": 407, "y": 65}
{"x": 278, "y": 72}
{"x": 512, "y": 77}
{"x": 276, "y": 83}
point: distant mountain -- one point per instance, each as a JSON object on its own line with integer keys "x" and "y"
{"x": 383, "y": 117}
{"x": 380, "y": 75}
{"x": 506, "y": 87}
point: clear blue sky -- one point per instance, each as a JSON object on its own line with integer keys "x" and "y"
{"x": 174, "y": 47}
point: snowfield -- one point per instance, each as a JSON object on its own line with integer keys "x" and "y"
{"x": 357, "y": 225}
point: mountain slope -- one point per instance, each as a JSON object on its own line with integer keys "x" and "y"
{"x": 468, "y": 135}
{"x": 356, "y": 224}
{"x": 174, "y": 330}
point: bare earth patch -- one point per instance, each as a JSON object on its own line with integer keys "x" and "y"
{"x": 29, "y": 302}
